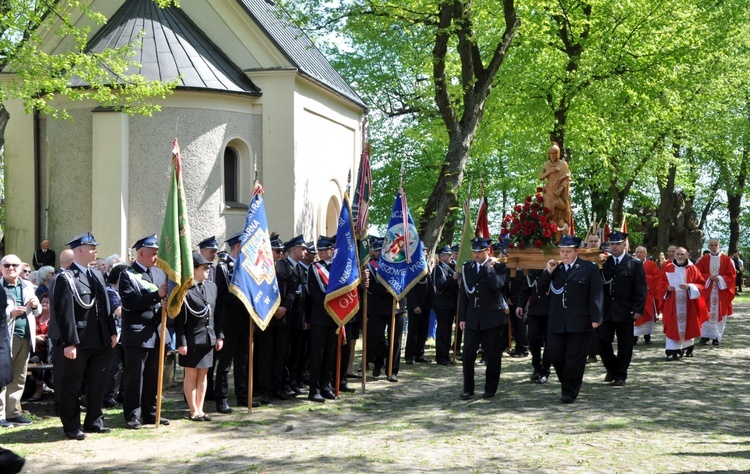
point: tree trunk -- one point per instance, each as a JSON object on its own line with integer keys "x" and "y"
{"x": 4, "y": 118}
{"x": 666, "y": 194}
{"x": 734, "y": 200}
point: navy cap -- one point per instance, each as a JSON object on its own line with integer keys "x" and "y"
{"x": 445, "y": 249}
{"x": 150, "y": 241}
{"x": 199, "y": 260}
{"x": 617, "y": 237}
{"x": 311, "y": 247}
{"x": 568, "y": 240}
{"x": 480, "y": 243}
{"x": 325, "y": 243}
{"x": 298, "y": 241}
{"x": 455, "y": 248}
{"x": 376, "y": 244}
{"x": 209, "y": 243}
{"x": 234, "y": 239}
{"x": 83, "y": 239}
{"x": 497, "y": 247}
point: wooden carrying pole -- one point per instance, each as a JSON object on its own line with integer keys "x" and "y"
{"x": 338, "y": 359}
{"x": 250, "y": 363}
{"x": 391, "y": 342}
{"x": 364, "y": 340}
{"x": 160, "y": 375}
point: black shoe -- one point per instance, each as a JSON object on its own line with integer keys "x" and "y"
{"x": 109, "y": 403}
{"x": 328, "y": 395}
{"x": 618, "y": 383}
{"x": 296, "y": 390}
{"x": 11, "y": 462}
{"x": 488, "y": 395}
{"x": 223, "y": 407}
{"x": 162, "y": 421}
{"x": 195, "y": 418}
{"x": 77, "y": 435}
{"x": 715, "y": 342}
{"x": 590, "y": 360}
{"x": 376, "y": 371}
{"x": 482, "y": 362}
{"x": 279, "y": 395}
{"x": 409, "y": 361}
{"x": 466, "y": 395}
{"x": 316, "y": 397}
{"x": 347, "y": 388}
{"x": 542, "y": 379}
{"x": 704, "y": 341}
{"x": 353, "y": 376}
{"x": 444, "y": 362}
{"x": 535, "y": 376}
{"x": 96, "y": 429}
{"x": 392, "y": 378}
{"x": 609, "y": 377}
{"x": 635, "y": 340}
{"x": 647, "y": 339}
{"x": 567, "y": 399}
{"x": 255, "y": 404}
{"x": 290, "y": 393}
{"x": 689, "y": 351}
{"x": 264, "y": 398}
{"x": 422, "y": 360}
{"x": 519, "y": 354}
{"x": 133, "y": 425}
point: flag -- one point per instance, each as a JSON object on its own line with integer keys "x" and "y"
{"x": 254, "y": 278}
{"x": 342, "y": 299}
{"x": 606, "y": 232}
{"x": 624, "y": 225}
{"x": 361, "y": 208}
{"x": 175, "y": 256}
{"x": 482, "y": 229}
{"x": 464, "y": 245}
{"x": 402, "y": 263}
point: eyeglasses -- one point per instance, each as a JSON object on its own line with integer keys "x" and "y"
{"x": 11, "y": 265}
{"x": 27, "y": 271}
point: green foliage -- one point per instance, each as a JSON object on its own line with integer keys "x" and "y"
{"x": 39, "y": 76}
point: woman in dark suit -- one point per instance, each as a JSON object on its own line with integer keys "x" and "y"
{"x": 196, "y": 338}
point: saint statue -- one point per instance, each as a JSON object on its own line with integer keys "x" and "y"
{"x": 557, "y": 190}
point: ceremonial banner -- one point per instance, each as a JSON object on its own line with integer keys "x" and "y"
{"x": 483, "y": 227}
{"x": 342, "y": 300}
{"x": 464, "y": 245}
{"x": 254, "y": 278}
{"x": 175, "y": 256}
{"x": 402, "y": 263}
{"x": 361, "y": 208}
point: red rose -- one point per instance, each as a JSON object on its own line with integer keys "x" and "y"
{"x": 553, "y": 227}
{"x": 521, "y": 245}
{"x": 526, "y": 206}
{"x": 527, "y": 232}
{"x": 518, "y": 208}
{"x": 539, "y": 197}
{"x": 547, "y": 234}
{"x": 511, "y": 245}
{"x": 508, "y": 218}
{"x": 543, "y": 219}
{"x": 528, "y": 198}
{"x": 538, "y": 243}
{"x": 534, "y": 214}
{"x": 539, "y": 189}
{"x": 504, "y": 231}
{"x": 546, "y": 210}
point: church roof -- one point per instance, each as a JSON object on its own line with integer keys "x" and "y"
{"x": 172, "y": 47}
{"x": 298, "y": 48}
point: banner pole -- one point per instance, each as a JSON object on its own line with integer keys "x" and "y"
{"x": 160, "y": 375}
{"x": 364, "y": 341}
{"x": 392, "y": 342}
{"x": 250, "y": 363}
{"x": 338, "y": 359}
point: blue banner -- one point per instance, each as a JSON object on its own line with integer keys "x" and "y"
{"x": 254, "y": 278}
{"x": 342, "y": 299}
{"x": 397, "y": 270}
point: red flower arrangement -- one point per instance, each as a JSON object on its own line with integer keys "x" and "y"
{"x": 528, "y": 226}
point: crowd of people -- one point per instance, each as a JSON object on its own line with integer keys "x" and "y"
{"x": 96, "y": 323}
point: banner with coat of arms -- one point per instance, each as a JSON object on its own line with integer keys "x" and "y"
{"x": 402, "y": 263}
{"x": 254, "y": 278}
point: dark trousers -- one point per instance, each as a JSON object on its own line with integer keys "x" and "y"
{"x": 322, "y": 357}
{"x": 90, "y": 364}
{"x": 537, "y": 327}
{"x": 518, "y": 325}
{"x": 616, "y": 365}
{"x": 567, "y": 353}
{"x": 296, "y": 358}
{"x": 273, "y": 348}
{"x": 492, "y": 344}
{"x": 445, "y": 318}
{"x": 379, "y": 335}
{"x": 140, "y": 378}
{"x": 235, "y": 350}
{"x": 416, "y": 337}
{"x": 115, "y": 366}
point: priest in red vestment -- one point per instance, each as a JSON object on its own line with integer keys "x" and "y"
{"x": 683, "y": 309}
{"x": 720, "y": 274}
{"x": 644, "y": 326}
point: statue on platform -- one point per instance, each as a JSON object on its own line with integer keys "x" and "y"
{"x": 557, "y": 190}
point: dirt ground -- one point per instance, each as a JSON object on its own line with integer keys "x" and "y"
{"x": 676, "y": 417}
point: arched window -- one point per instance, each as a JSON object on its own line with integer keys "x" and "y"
{"x": 237, "y": 175}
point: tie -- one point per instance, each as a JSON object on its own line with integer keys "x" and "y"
{"x": 567, "y": 267}
{"x": 201, "y": 289}
{"x": 617, "y": 261}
